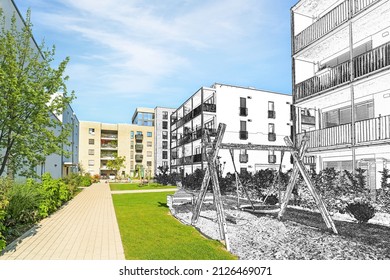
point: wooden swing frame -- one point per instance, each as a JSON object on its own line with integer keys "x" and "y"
{"x": 211, "y": 152}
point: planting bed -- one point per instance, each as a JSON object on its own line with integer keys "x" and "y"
{"x": 302, "y": 235}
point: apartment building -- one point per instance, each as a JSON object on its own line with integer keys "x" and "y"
{"x": 341, "y": 89}
{"x": 101, "y": 142}
{"x": 251, "y": 115}
{"x": 58, "y": 165}
{"x": 162, "y": 155}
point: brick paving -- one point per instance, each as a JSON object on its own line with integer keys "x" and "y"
{"x": 84, "y": 229}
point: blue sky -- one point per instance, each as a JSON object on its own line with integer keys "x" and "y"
{"x": 146, "y": 53}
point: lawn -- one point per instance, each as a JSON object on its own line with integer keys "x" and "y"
{"x": 137, "y": 186}
{"x": 149, "y": 232}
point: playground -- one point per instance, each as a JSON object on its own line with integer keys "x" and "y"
{"x": 253, "y": 230}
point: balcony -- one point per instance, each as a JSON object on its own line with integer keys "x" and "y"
{"x": 109, "y": 136}
{"x": 243, "y": 158}
{"x": 329, "y": 22}
{"x": 109, "y": 146}
{"x": 139, "y": 147}
{"x": 329, "y": 78}
{"x": 208, "y": 107}
{"x": 272, "y": 137}
{"x": 271, "y": 114}
{"x": 371, "y": 131}
{"x": 243, "y": 111}
{"x": 271, "y": 158}
{"x": 139, "y": 137}
{"x": 243, "y": 135}
{"x": 139, "y": 158}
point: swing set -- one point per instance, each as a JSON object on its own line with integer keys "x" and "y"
{"x": 212, "y": 150}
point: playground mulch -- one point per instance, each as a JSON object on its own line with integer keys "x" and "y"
{"x": 301, "y": 235}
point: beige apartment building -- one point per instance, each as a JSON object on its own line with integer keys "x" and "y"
{"x": 101, "y": 142}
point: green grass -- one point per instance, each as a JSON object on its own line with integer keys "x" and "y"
{"x": 149, "y": 232}
{"x": 136, "y": 186}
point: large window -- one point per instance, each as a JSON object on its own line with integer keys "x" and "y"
{"x": 363, "y": 111}
{"x": 144, "y": 119}
{"x": 165, "y": 144}
{"x": 165, "y": 155}
{"x": 149, "y": 134}
{"x": 91, "y": 152}
{"x": 165, "y": 135}
{"x": 165, "y": 125}
{"x": 92, "y": 131}
{"x": 243, "y": 131}
{"x": 91, "y": 141}
{"x": 165, "y": 115}
{"x": 243, "y": 108}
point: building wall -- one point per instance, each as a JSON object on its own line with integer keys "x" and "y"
{"x": 94, "y": 164}
{"x": 158, "y": 137}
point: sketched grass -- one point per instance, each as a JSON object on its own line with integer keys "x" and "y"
{"x": 135, "y": 186}
{"x": 149, "y": 232}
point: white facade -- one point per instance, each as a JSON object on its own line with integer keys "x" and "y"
{"x": 162, "y": 139}
{"x": 341, "y": 83}
{"x": 251, "y": 115}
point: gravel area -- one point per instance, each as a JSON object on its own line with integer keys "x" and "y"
{"x": 302, "y": 235}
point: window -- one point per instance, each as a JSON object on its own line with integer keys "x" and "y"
{"x": 165, "y": 144}
{"x": 165, "y": 155}
{"x": 165, "y": 135}
{"x": 165, "y": 115}
{"x": 92, "y": 131}
{"x": 149, "y": 134}
{"x": 363, "y": 111}
{"x": 139, "y": 133}
{"x": 91, "y": 141}
{"x": 91, "y": 152}
{"x": 132, "y": 144}
{"x": 91, "y": 163}
{"x": 131, "y": 164}
{"x": 165, "y": 125}
{"x": 131, "y": 134}
{"x": 243, "y": 132}
{"x": 149, "y": 154}
{"x": 271, "y": 110}
{"x": 149, "y": 163}
{"x": 132, "y": 154}
{"x": 271, "y": 132}
{"x": 149, "y": 144}
{"x": 165, "y": 164}
{"x": 243, "y": 108}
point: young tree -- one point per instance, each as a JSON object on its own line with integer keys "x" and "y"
{"x": 29, "y": 99}
{"x": 117, "y": 163}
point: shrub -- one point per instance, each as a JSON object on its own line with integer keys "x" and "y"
{"x": 85, "y": 181}
{"x": 194, "y": 181}
{"x": 23, "y": 207}
{"x": 361, "y": 211}
{"x": 5, "y": 185}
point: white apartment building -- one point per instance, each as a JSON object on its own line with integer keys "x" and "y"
{"x": 251, "y": 115}
{"x": 341, "y": 89}
{"x": 162, "y": 138}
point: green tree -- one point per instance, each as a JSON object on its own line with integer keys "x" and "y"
{"x": 117, "y": 163}
{"x": 31, "y": 93}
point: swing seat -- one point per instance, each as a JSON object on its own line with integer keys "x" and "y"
{"x": 260, "y": 208}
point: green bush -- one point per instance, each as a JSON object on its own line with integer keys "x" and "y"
{"x": 24, "y": 200}
{"x": 5, "y": 185}
{"x": 361, "y": 211}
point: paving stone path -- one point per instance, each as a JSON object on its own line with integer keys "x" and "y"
{"x": 84, "y": 229}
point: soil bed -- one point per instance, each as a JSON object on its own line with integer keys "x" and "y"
{"x": 301, "y": 235}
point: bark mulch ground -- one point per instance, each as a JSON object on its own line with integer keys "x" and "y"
{"x": 301, "y": 235}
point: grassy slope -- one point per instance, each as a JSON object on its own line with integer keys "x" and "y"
{"x": 132, "y": 186}
{"x": 149, "y": 232}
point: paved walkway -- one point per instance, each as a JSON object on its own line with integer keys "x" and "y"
{"x": 85, "y": 229}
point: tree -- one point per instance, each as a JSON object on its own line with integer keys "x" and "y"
{"x": 32, "y": 93}
{"x": 116, "y": 163}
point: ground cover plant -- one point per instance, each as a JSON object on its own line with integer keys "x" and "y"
{"x": 24, "y": 204}
{"x": 138, "y": 186}
{"x": 149, "y": 232}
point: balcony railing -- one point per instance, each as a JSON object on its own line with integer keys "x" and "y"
{"x": 329, "y": 22}
{"x": 110, "y": 136}
{"x": 271, "y": 158}
{"x": 139, "y": 158}
{"x": 272, "y": 137}
{"x": 109, "y": 146}
{"x": 139, "y": 137}
{"x": 366, "y": 131}
{"x": 243, "y": 135}
{"x": 271, "y": 114}
{"x": 139, "y": 147}
{"x": 363, "y": 64}
{"x": 243, "y": 111}
{"x": 243, "y": 158}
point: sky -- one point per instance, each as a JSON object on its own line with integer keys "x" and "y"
{"x": 126, "y": 54}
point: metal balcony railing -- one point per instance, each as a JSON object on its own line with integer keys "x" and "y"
{"x": 243, "y": 111}
{"x": 329, "y": 22}
{"x": 243, "y": 135}
{"x": 271, "y": 114}
{"x": 363, "y": 64}
{"x": 366, "y": 132}
{"x": 243, "y": 158}
{"x": 272, "y": 137}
